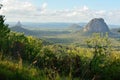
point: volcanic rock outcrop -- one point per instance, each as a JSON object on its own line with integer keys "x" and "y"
{"x": 18, "y": 28}
{"x": 96, "y": 25}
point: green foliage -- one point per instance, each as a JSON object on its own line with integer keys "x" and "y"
{"x": 32, "y": 48}
{"x": 63, "y": 60}
{"x": 57, "y": 61}
{"x": 111, "y": 66}
{"x": 4, "y": 31}
{"x": 100, "y": 64}
{"x": 12, "y": 71}
{"x": 25, "y": 46}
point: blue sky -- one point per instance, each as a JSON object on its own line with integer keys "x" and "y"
{"x": 61, "y": 10}
{"x": 93, "y": 4}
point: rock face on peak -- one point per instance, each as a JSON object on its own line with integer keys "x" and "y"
{"x": 96, "y": 25}
{"x": 18, "y": 28}
{"x": 18, "y": 24}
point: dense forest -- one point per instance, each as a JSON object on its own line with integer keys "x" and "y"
{"x": 29, "y": 58}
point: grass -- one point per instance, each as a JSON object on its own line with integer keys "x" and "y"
{"x": 12, "y": 70}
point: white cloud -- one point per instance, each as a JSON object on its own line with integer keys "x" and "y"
{"x": 26, "y": 11}
{"x": 43, "y": 8}
{"x": 44, "y": 5}
{"x": 21, "y": 10}
{"x": 85, "y": 7}
{"x": 15, "y": 8}
{"x": 16, "y": 5}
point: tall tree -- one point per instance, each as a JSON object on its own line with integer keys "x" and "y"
{"x": 4, "y": 31}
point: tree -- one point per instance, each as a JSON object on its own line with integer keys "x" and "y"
{"x": 4, "y": 31}
{"x": 102, "y": 47}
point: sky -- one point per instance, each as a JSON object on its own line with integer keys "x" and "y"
{"x": 61, "y": 10}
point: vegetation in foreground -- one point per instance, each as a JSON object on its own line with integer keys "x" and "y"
{"x": 28, "y": 58}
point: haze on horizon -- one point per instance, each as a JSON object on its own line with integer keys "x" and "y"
{"x": 60, "y": 10}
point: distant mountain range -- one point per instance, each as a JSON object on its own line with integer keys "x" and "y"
{"x": 38, "y": 33}
{"x": 93, "y": 26}
{"x": 54, "y": 25}
{"x": 65, "y": 32}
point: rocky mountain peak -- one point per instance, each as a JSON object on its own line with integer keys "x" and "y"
{"x": 97, "y": 25}
{"x": 18, "y": 24}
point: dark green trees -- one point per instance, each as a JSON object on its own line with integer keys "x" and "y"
{"x": 4, "y": 30}
{"x": 103, "y": 65}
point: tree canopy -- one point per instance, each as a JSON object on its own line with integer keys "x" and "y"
{"x": 4, "y": 30}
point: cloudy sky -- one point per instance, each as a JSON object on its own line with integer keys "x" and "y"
{"x": 61, "y": 10}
